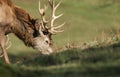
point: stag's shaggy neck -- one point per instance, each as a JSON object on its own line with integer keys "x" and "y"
{"x": 23, "y": 35}
{"x": 23, "y": 26}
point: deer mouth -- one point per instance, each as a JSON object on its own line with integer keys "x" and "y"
{"x": 48, "y": 52}
{"x": 44, "y": 51}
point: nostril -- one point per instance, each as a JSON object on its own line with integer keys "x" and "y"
{"x": 46, "y": 41}
{"x": 50, "y": 43}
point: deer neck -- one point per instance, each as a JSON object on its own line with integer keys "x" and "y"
{"x": 20, "y": 30}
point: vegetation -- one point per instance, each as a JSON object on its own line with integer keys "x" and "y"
{"x": 91, "y": 62}
{"x": 90, "y": 43}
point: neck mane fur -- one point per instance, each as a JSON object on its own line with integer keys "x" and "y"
{"x": 21, "y": 29}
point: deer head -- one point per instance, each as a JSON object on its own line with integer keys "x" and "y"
{"x": 43, "y": 42}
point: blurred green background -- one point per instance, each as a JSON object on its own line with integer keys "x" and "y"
{"x": 85, "y": 20}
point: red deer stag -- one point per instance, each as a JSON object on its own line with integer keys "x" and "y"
{"x": 34, "y": 34}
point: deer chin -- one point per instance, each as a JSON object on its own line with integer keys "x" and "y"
{"x": 43, "y": 51}
{"x": 42, "y": 47}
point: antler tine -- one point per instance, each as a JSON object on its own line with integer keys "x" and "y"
{"x": 42, "y": 10}
{"x": 57, "y": 27}
{"x": 54, "y": 17}
{"x": 57, "y": 5}
{"x": 42, "y": 13}
{"x": 54, "y": 8}
{"x": 51, "y": 3}
{"x": 55, "y": 30}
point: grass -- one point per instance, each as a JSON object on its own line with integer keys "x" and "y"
{"x": 85, "y": 20}
{"x": 91, "y": 62}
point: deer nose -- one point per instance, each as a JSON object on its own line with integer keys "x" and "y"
{"x": 50, "y": 50}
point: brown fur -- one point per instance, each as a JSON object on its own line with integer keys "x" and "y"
{"x": 27, "y": 26}
{"x": 16, "y": 20}
{"x": 24, "y": 25}
{"x": 8, "y": 2}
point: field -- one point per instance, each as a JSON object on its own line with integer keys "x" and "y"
{"x": 85, "y": 21}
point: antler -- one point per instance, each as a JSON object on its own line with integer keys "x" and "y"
{"x": 42, "y": 14}
{"x": 54, "y": 29}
